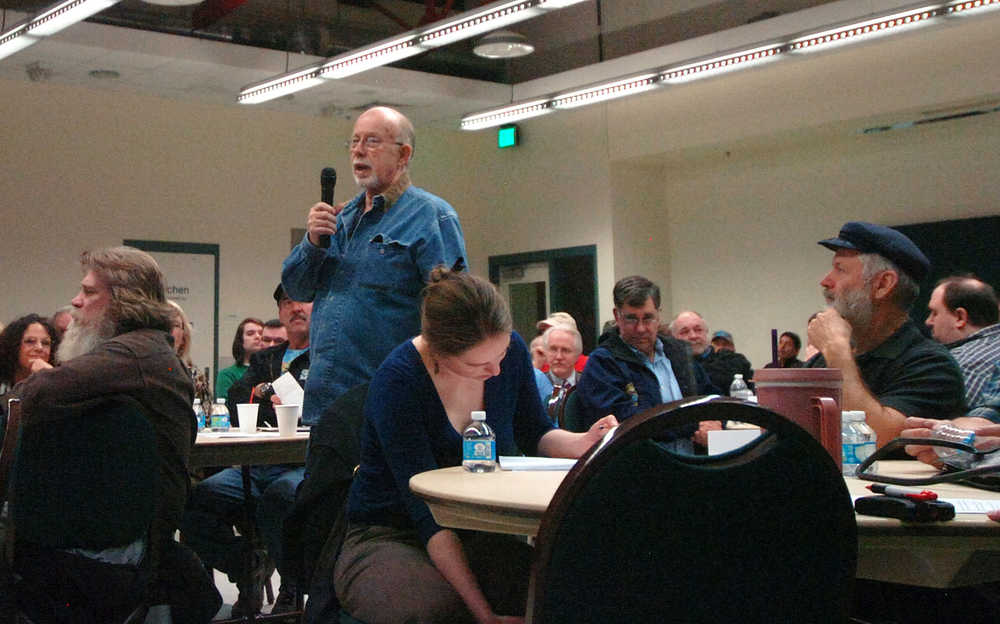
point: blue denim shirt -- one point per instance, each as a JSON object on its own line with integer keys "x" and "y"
{"x": 366, "y": 288}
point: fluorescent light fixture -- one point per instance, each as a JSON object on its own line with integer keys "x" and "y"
{"x": 463, "y": 26}
{"x": 15, "y": 41}
{"x": 867, "y": 29}
{"x": 280, "y": 86}
{"x": 51, "y": 20}
{"x": 64, "y": 14}
{"x": 479, "y": 21}
{"x": 606, "y": 91}
{"x": 721, "y": 64}
{"x": 825, "y": 38}
{"x": 506, "y": 114}
{"x": 382, "y": 53}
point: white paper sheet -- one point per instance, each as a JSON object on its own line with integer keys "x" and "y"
{"x": 288, "y": 390}
{"x": 514, "y": 462}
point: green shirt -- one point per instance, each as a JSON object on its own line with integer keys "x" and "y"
{"x": 227, "y": 377}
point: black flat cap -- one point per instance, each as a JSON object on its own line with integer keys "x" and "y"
{"x": 279, "y": 293}
{"x": 884, "y": 241}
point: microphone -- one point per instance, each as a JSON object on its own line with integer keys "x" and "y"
{"x": 327, "y": 180}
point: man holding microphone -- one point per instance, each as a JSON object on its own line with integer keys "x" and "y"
{"x": 363, "y": 264}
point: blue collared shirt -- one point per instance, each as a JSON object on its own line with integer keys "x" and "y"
{"x": 660, "y": 366}
{"x": 366, "y": 288}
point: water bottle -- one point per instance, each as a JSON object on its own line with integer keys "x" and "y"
{"x": 199, "y": 413}
{"x": 738, "y": 389}
{"x": 857, "y": 440}
{"x": 220, "y": 416}
{"x": 479, "y": 445}
{"x": 954, "y": 457}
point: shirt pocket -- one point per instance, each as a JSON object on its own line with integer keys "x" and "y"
{"x": 388, "y": 267}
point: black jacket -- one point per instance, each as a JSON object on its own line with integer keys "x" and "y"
{"x": 264, "y": 366}
{"x": 617, "y": 381}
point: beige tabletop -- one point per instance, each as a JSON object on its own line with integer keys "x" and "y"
{"x": 960, "y": 552}
{"x": 258, "y": 449}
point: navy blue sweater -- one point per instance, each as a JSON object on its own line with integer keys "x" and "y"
{"x": 406, "y": 431}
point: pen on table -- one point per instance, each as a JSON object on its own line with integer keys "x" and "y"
{"x": 899, "y": 492}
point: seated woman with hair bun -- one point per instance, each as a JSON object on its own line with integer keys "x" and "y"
{"x": 397, "y": 564}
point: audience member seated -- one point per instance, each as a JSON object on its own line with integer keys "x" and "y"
{"x": 538, "y": 353}
{"x": 180, "y": 331}
{"x": 118, "y": 344}
{"x": 723, "y": 341}
{"x": 246, "y": 342}
{"x": 890, "y": 369}
{"x": 217, "y": 504}
{"x": 273, "y": 334}
{"x": 397, "y": 564}
{"x": 563, "y": 346}
{"x": 564, "y": 319}
{"x": 719, "y": 365}
{"x": 632, "y": 368}
{"x": 61, "y": 319}
{"x": 27, "y": 345}
{"x": 963, "y": 317}
{"x": 789, "y": 345}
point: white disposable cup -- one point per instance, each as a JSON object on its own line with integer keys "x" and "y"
{"x": 288, "y": 419}
{"x": 247, "y": 413}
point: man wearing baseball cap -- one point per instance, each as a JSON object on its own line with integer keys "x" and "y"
{"x": 891, "y": 371}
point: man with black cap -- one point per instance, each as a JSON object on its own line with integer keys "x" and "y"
{"x": 891, "y": 371}
{"x": 217, "y": 503}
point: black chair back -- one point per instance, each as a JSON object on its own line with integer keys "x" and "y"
{"x": 638, "y": 533}
{"x": 88, "y": 477}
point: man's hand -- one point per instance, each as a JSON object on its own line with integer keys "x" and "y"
{"x": 322, "y": 221}
{"x": 987, "y": 435}
{"x": 830, "y": 332}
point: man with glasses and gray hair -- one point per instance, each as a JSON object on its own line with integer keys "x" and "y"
{"x": 364, "y": 263}
{"x": 633, "y": 368}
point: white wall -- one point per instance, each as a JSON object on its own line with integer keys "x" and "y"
{"x": 647, "y": 180}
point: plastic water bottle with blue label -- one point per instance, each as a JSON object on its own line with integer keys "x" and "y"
{"x": 479, "y": 445}
{"x": 199, "y": 413}
{"x": 219, "y": 420}
{"x": 857, "y": 440}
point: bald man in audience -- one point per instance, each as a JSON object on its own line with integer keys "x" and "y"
{"x": 891, "y": 371}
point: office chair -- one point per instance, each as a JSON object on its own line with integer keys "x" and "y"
{"x": 86, "y": 478}
{"x": 638, "y": 533}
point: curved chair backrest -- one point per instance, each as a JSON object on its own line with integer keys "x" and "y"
{"x": 637, "y": 533}
{"x": 89, "y": 478}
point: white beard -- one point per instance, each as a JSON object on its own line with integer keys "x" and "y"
{"x": 856, "y": 307}
{"x": 80, "y": 339}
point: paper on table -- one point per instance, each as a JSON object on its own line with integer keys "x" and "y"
{"x": 288, "y": 390}
{"x": 515, "y": 462}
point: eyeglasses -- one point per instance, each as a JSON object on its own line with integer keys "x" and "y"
{"x": 371, "y": 143}
{"x": 634, "y": 321}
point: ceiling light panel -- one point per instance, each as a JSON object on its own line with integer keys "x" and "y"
{"x": 377, "y": 55}
{"x": 477, "y": 22}
{"x": 66, "y": 13}
{"x": 608, "y": 91}
{"x": 281, "y": 86}
{"x": 506, "y": 114}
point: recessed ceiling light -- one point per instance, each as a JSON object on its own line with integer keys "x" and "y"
{"x": 503, "y": 44}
